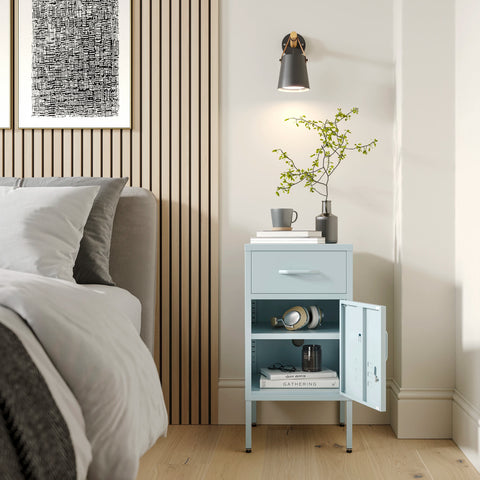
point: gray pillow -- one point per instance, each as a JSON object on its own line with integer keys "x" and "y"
{"x": 10, "y": 181}
{"x": 92, "y": 264}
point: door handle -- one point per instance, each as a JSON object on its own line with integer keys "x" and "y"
{"x": 386, "y": 345}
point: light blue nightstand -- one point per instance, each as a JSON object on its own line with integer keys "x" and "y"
{"x": 353, "y": 335}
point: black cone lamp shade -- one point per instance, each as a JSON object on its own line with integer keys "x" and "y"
{"x": 293, "y": 69}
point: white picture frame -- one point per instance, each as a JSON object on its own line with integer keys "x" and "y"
{"x": 6, "y": 63}
{"x": 46, "y": 109}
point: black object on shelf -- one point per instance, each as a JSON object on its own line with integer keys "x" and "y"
{"x": 311, "y": 358}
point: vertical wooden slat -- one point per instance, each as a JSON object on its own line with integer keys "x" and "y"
{"x": 87, "y": 153}
{"x": 185, "y": 209}
{"x": 126, "y": 155}
{"x": 47, "y": 153}
{"x": 155, "y": 144}
{"x": 165, "y": 286}
{"x": 195, "y": 214}
{"x": 28, "y": 153}
{"x": 97, "y": 150}
{"x": 213, "y": 214}
{"x": 18, "y": 153}
{"x": 8, "y": 149}
{"x": 171, "y": 149}
{"x": 38, "y": 163}
{"x": 57, "y": 147}
{"x": 116, "y": 153}
{"x": 204, "y": 210}
{"x": 175, "y": 209}
{"x": 106, "y": 153}
{"x": 67, "y": 153}
{"x": 77, "y": 153}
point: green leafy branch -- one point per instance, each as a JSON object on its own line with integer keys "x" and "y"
{"x": 333, "y": 149}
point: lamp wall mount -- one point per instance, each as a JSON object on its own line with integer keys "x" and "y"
{"x": 291, "y": 41}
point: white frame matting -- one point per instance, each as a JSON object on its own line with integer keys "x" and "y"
{"x": 25, "y": 104}
{"x": 5, "y": 62}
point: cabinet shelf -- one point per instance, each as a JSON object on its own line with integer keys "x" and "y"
{"x": 270, "y": 333}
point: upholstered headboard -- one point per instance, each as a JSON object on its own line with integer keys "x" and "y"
{"x": 133, "y": 254}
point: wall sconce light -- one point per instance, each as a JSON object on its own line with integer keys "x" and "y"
{"x": 293, "y": 70}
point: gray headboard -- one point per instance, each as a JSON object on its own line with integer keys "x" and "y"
{"x": 133, "y": 254}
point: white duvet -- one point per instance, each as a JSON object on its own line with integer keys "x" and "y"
{"x": 93, "y": 346}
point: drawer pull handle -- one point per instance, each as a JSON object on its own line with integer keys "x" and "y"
{"x": 298, "y": 272}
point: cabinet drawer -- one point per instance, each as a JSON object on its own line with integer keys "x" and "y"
{"x": 300, "y": 272}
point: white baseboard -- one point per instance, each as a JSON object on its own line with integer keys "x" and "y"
{"x": 466, "y": 428}
{"x": 421, "y": 412}
{"x": 231, "y": 401}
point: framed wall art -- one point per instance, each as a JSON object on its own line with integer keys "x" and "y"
{"x": 5, "y": 62}
{"x": 74, "y": 64}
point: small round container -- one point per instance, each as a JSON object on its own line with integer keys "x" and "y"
{"x": 311, "y": 358}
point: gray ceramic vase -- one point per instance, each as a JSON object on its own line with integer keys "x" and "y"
{"x": 327, "y": 223}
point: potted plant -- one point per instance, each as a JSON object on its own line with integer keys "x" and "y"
{"x": 333, "y": 149}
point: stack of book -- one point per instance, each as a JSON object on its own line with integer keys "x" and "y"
{"x": 288, "y": 236}
{"x": 271, "y": 378}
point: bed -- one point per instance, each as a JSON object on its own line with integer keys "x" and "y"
{"x": 92, "y": 346}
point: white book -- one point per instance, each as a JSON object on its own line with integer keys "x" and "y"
{"x": 300, "y": 383}
{"x": 288, "y": 240}
{"x": 275, "y": 374}
{"x": 289, "y": 234}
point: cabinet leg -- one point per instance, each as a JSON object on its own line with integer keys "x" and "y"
{"x": 349, "y": 419}
{"x": 341, "y": 419}
{"x": 248, "y": 426}
{"x": 254, "y": 414}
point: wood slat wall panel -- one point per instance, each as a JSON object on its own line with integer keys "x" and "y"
{"x": 171, "y": 150}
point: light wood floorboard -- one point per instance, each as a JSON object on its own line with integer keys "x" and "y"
{"x": 211, "y": 452}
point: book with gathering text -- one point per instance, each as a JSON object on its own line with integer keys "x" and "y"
{"x": 276, "y": 374}
{"x": 327, "y": 382}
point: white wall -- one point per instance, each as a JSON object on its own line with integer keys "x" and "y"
{"x": 466, "y": 410}
{"x": 425, "y": 237}
{"x": 350, "y": 52}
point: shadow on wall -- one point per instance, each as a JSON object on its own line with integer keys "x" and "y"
{"x": 317, "y": 49}
{"x": 372, "y": 279}
{"x": 380, "y": 96}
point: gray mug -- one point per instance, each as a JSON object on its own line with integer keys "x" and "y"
{"x": 283, "y": 217}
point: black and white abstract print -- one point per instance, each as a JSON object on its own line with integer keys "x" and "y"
{"x": 75, "y": 58}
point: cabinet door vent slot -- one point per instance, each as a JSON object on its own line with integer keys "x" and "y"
{"x": 254, "y": 356}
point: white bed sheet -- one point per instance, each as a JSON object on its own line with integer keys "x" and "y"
{"x": 128, "y": 303}
{"x": 93, "y": 345}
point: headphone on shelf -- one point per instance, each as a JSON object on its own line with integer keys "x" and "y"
{"x": 297, "y": 317}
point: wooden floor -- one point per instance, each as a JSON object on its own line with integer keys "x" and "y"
{"x": 194, "y": 452}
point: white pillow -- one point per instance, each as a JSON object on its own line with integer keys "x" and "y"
{"x": 41, "y": 228}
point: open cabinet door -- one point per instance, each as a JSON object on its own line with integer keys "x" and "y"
{"x": 363, "y": 353}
